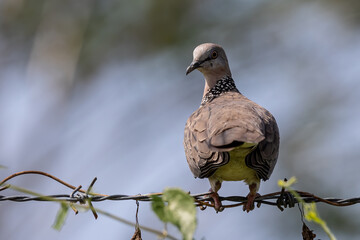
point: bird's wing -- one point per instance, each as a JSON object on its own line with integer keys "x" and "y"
{"x": 264, "y": 157}
{"x": 203, "y": 161}
{"x": 225, "y": 123}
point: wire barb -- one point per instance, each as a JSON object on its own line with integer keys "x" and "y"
{"x": 89, "y": 199}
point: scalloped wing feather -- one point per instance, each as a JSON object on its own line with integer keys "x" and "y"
{"x": 212, "y": 130}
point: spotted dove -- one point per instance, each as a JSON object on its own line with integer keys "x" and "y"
{"x": 229, "y": 137}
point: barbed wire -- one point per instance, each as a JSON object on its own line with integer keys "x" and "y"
{"x": 80, "y": 197}
{"x": 281, "y": 199}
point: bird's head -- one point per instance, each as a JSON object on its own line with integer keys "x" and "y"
{"x": 210, "y": 59}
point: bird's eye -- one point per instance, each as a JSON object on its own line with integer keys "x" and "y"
{"x": 214, "y": 54}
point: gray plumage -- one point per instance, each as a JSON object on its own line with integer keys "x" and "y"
{"x": 229, "y": 138}
{"x": 226, "y": 122}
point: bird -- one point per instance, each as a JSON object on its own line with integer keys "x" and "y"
{"x": 229, "y": 137}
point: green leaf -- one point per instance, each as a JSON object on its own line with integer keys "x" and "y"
{"x": 158, "y": 206}
{"x": 61, "y": 216}
{"x": 179, "y": 210}
{"x": 311, "y": 214}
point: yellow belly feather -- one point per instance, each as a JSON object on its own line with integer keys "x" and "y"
{"x": 236, "y": 169}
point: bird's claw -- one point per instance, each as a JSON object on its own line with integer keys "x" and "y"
{"x": 217, "y": 203}
{"x": 250, "y": 202}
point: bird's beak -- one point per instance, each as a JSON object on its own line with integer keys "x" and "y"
{"x": 194, "y": 65}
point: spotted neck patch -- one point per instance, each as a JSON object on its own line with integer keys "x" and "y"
{"x": 223, "y": 85}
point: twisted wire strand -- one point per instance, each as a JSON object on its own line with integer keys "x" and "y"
{"x": 280, "y": 199}
{"x": 200, "y": 197}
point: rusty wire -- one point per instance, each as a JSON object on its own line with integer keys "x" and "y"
{"x": 280, "y": 199}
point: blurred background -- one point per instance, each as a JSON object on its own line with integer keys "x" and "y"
{"x": 98, "y": 88}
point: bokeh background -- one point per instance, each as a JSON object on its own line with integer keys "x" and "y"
{"x": 98, "y": 88}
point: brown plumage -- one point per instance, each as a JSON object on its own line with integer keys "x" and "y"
{"x": 229, "y": 138}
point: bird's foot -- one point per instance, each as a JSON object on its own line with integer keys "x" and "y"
{"x": 250, "y": 201}
{"x": 217, "y": 203}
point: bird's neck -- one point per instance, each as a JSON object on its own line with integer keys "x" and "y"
{"x": 225, "y": 84}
